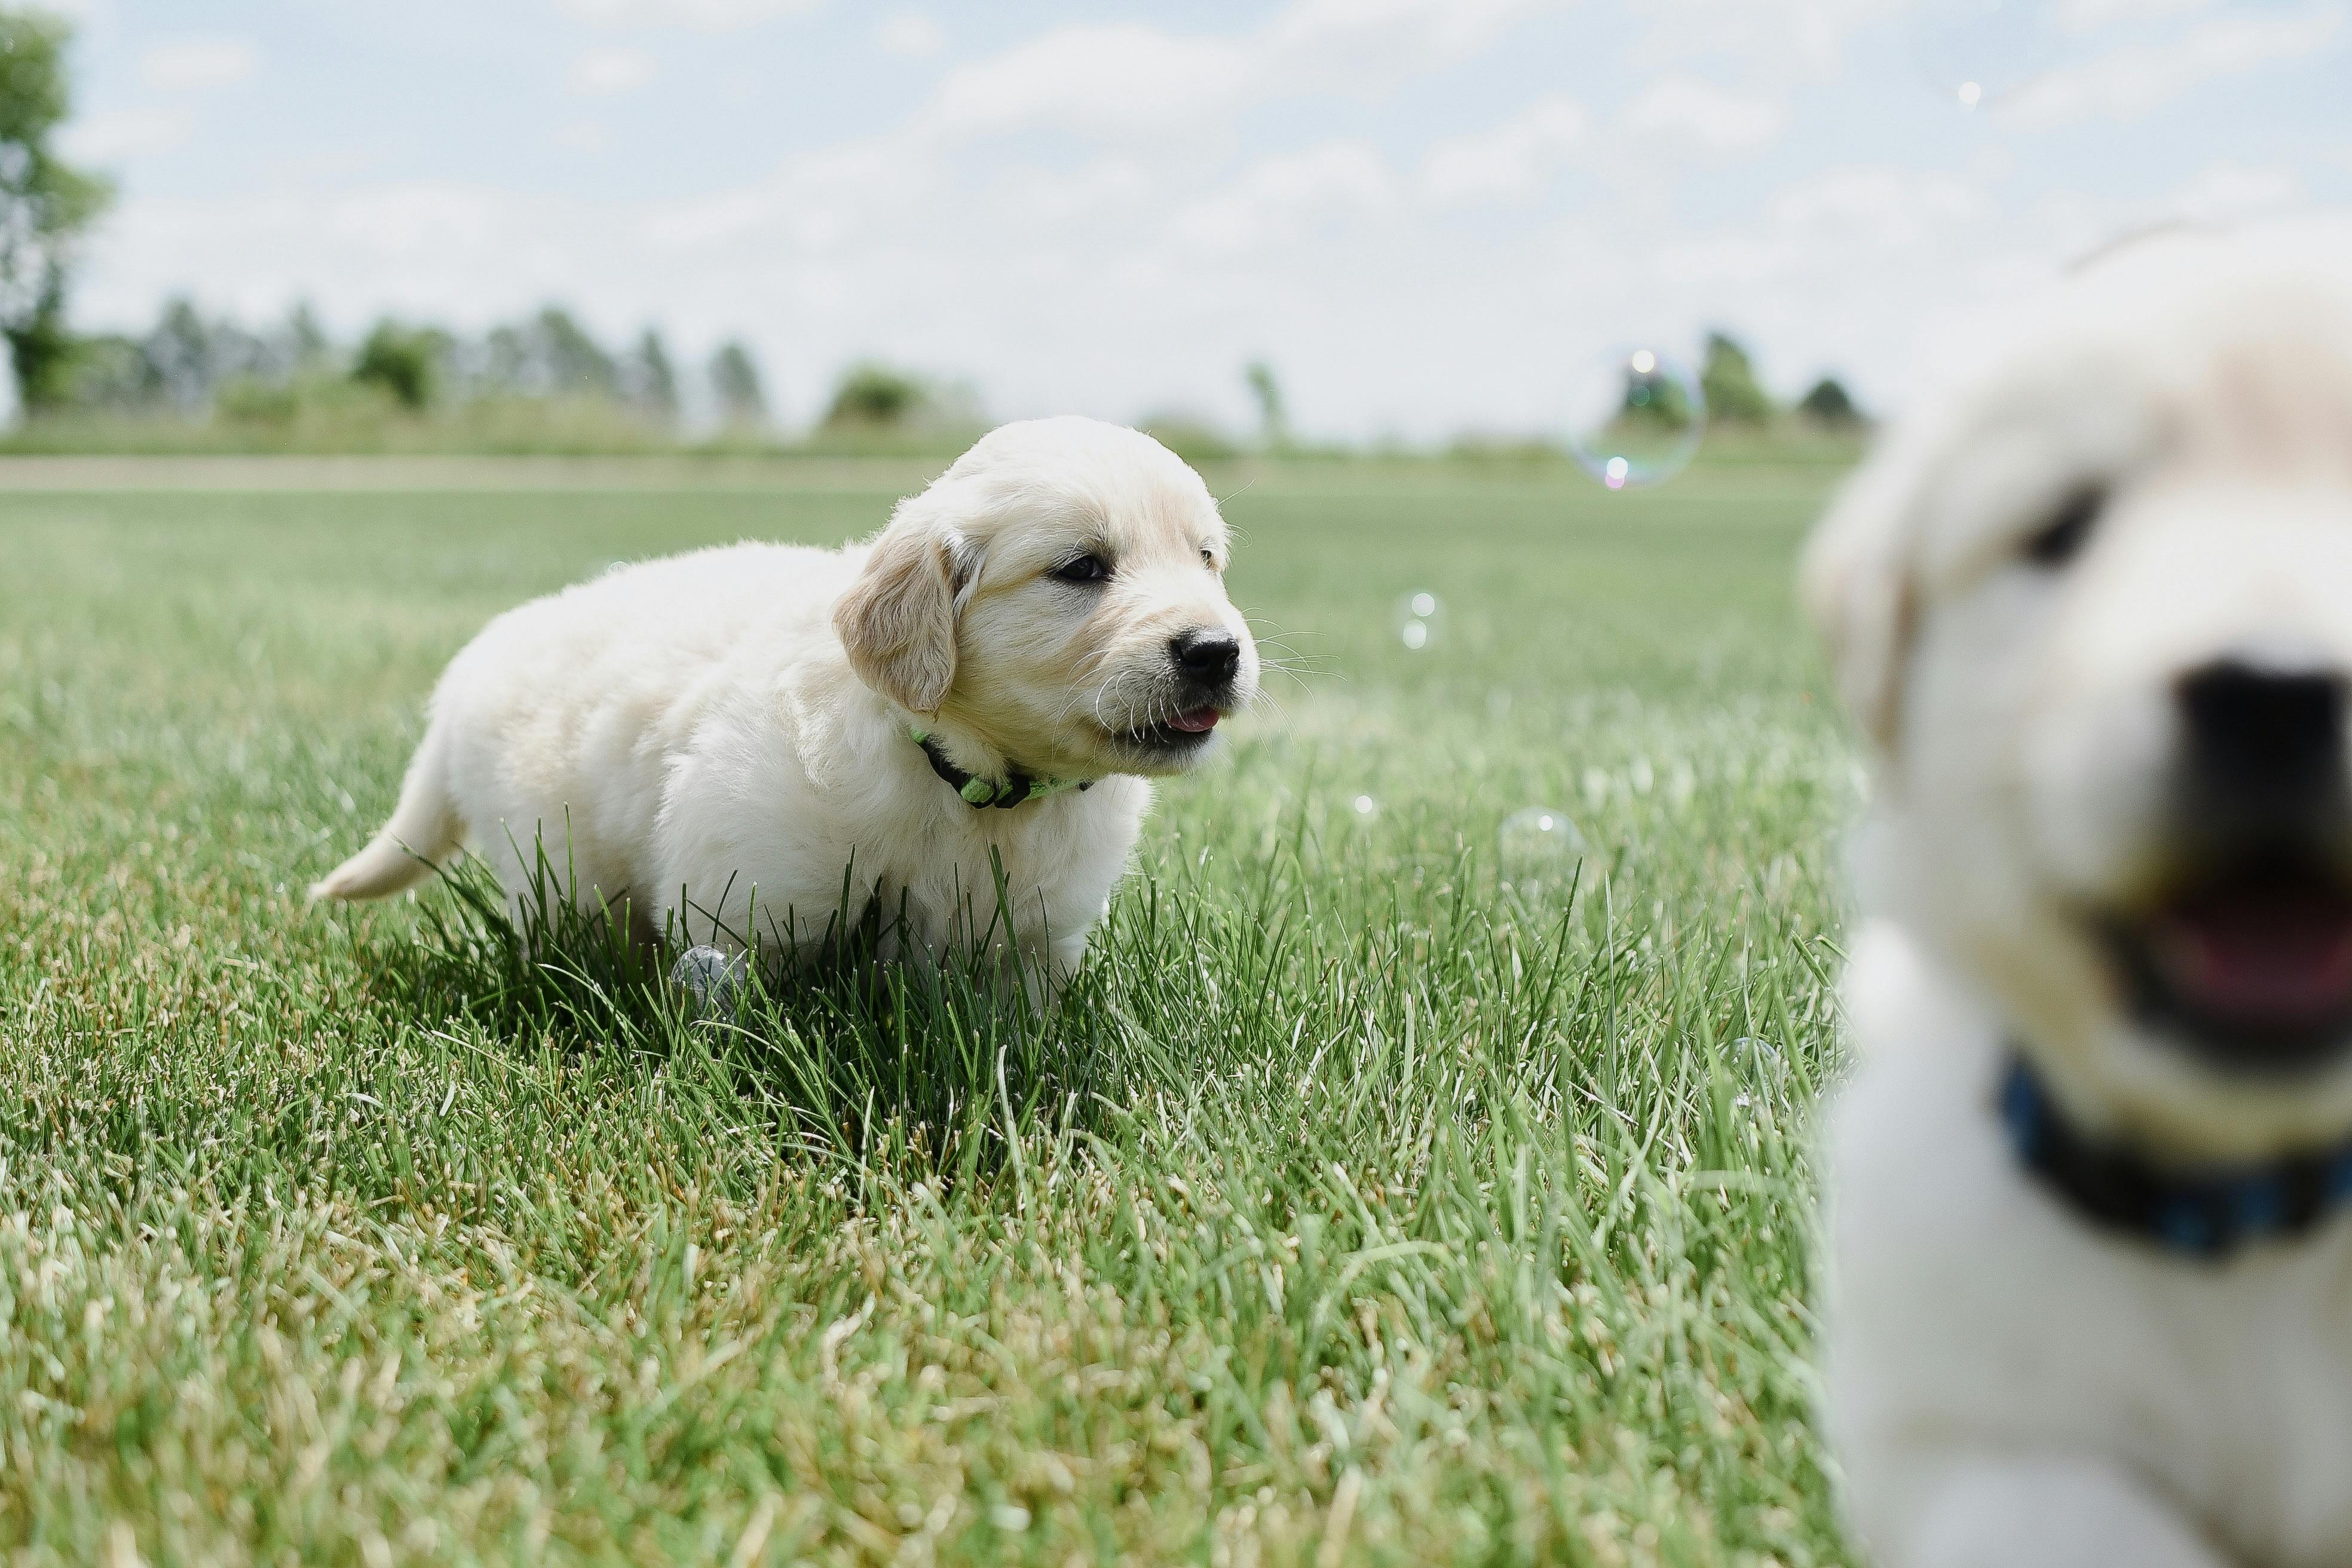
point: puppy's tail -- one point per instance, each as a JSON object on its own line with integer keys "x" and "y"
{"x": 425, "y": 827}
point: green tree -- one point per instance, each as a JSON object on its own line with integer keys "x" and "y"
{"x": 402, "y": 360}
{"x": 735, "y": 381}
{"x": 1273, "y": 418}
{"x": 575, "y": 361}
{"x": 45, "y": 206}
{"x": 1829, "y": 403}
{"x": 180, "y": 350}
{"x": 875, "y": 395}
{"x": 1728, "y": 377}
{"x": 307, "y": 347}
{"x": 648, "y": 380}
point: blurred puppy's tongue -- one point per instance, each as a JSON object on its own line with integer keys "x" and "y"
{"x": 2261, "y": 956}
{"x": 1199, "y": 721}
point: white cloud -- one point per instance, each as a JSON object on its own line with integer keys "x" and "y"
{"x": 1510, "y": 161}
{"x": 608, "y": 72}
{"x": 126, "y": 133}
{"x": 1116, "y": 79}
{"x": 2229, "y": 192}
{"x": 1772, "y": 41}
{"x": 1680, "y": 114}
{"x": 82, "y": 13}
{"x": 2090, "y": 16}
{"x": 910, "y": 34}
{"x": 701, "y": 16}
{"x": 2135, "y": 80}
{"x": 2222, "y": 190}
{"x": 197, "y": 65}
{"x": 1285, "y": 196}
{"x": 1110, "y": 79}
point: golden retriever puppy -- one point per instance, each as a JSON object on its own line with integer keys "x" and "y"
{"x": 729, "y": 740}
{"x": 2090, "y": 1213}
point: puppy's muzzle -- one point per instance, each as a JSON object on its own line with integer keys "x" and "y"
{"x": 2246, "y": 957}
{"x": 1208, "y": 662}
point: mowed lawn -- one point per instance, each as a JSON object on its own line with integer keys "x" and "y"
{"x": 1392, "y": 1188}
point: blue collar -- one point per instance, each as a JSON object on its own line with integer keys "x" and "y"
{"x": 2206, "y": 1212}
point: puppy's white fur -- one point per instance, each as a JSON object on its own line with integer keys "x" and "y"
{"x": 2006, "y": 1385}
{"x": 719, "y": 742}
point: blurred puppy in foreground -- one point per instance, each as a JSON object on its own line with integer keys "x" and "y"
{"x": 2090, "y": 1222}
{"x": 722, "y": 745}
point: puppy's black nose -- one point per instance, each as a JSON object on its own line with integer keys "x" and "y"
{"x": 1209, "y": 657}
{"x": 2265, "y": 746}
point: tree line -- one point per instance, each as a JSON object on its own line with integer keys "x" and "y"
{"x": 195, "y": 366}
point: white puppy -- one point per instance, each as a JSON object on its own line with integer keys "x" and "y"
{"x": 727, "y": 743}
{"x": 2090, "y": 1226}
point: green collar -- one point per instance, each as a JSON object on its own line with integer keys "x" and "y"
{"x": 979, "y": 792}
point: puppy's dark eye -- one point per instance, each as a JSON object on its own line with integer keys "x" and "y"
{"x": 1209, "y": 559}
{"x": 1084, "y": 569}
{"x": 2060, "y": 539}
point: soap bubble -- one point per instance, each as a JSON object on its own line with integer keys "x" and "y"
{"x": 1365, "y": 806}
{"x": 1538, "y": 846}
{"x": 711, "y": 977}
{"x": 1978, "y": 53}
{"x": 1635, "y": 417}
{"x": 1420, "y": 618}
{"x": 1987, "y": 54}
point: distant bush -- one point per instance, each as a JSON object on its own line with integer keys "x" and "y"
{"x": 873, "y": 394}
{"x": 1827, "y": 403}
{"x": 401, "y": 360}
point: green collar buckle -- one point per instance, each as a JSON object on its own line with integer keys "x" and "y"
{"x": 981, "y": 793}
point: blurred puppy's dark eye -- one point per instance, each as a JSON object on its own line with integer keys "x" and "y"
{"x": 1209, "y": 559}
{"x": 2060, "y": 539}
{"x": 1084, "y": 569}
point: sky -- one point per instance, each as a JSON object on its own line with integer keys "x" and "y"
{"x": 1431, "y": 216}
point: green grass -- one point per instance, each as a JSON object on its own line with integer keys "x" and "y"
{"x": 1368, "y": 1201}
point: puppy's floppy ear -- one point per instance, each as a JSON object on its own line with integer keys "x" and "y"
{"x": 1856, "y": 586}
{"x": 897, "y": 621}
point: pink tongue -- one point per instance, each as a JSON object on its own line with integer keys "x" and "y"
{"x": 1199, "y": 721}
{"x": 2280, "y": 961}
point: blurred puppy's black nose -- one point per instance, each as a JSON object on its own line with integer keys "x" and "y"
{"x": 2264, "y": 741}
{"x": 1209, "y": 657}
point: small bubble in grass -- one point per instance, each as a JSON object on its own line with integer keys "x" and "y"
{"x": 1365, "y": 806}
{"x": 1419, "y": 617}
{"x": 1538, "y": 846}
{"x": 1635, "y": 417}
{"x": 710, "y": 976}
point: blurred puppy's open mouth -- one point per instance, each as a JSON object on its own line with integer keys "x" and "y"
{"x": 2252, "y": 970}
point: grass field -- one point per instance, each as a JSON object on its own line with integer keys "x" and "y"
{"x": 1389, "y": 1190}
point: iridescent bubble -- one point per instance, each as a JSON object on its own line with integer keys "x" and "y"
{"x": 1536, "y": 846}
{"x": 1635, "y": 417}
{"x": 1419, "y": 620}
